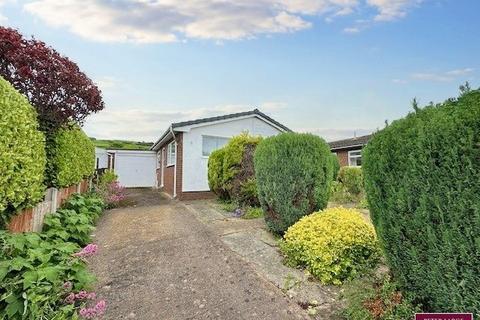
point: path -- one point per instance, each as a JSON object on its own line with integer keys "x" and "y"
{"x": 157, "y": 261}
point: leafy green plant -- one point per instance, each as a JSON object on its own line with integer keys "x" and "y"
{"x": 352, "y": 180}
{"x": 335, "y": 245}
{"x": 33, "y": 269}
{"x": 70, "y": 157}
{"x": 422, "y": 177}
{"x": 376, "y": 297}
{"x": 293, "y": 173}
{"x": 109, "y": 176}
{"x": 253, "y": 213}
{"x": 74, "y": 222}
{"x": 22, "y": 153}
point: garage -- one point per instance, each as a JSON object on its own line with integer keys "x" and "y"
{"x": 134, "y": 168}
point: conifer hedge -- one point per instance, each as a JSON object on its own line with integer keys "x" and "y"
{"x": 71, "y": 157}
{"x": 422, "y": 177}
{"x": 22, "y": 153}
{"x": 294, "y": 172}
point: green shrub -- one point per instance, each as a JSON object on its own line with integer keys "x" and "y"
{"x": 422, "y": 177}
{"x": 71, "y": 157}
{"x": 335, "y": 166}
{"x": 293, "y": 173}
{"x": 335, "y": 245}
{"x": 22, "y": 153}
{"x": 376, "y": 298}
{"x": 109, "y": 176}
{"x": 352, "y": 180}
{"x": 238, "y": 169}
{"x": 215, "y": 173}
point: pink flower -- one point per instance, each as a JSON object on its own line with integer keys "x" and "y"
{"x": 100, "y": 307}
{"x": 70, "y": 299}
{"x": 88, "y": 251}
{"x": 67, "y": 286}
{"x": 92, "y": 312}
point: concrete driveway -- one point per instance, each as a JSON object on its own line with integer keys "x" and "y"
{"x": 158, "y": 261}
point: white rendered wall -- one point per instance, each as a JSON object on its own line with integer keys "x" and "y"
{"x": 194, "y": 176}
{"x": 136, "y": 168}
{"x": 102, "y": 156}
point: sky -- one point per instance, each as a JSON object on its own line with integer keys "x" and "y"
{"x": 331, "y": 67}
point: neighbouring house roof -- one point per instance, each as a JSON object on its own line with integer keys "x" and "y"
{"x": 177, "y": 125}
{"x": 350, "y": 143}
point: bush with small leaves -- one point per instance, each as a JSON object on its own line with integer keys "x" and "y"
{"x": 335, "y": 245}
{"x": 293, "y": 173}
{"x": 422, "y": 177}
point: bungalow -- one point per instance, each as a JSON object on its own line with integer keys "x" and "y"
{"x": 184, "y": 148}
{"x": 349, "y": 151}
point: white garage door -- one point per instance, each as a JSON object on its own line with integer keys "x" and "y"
{"x": 136, "y": 168}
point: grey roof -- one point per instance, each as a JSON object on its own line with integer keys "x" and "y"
{"x": 230, "y": 116}
{"x": 348, "y": 143}
{"x": 218, "y": 118}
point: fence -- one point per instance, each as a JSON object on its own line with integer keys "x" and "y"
{"x": 32, "y": 219}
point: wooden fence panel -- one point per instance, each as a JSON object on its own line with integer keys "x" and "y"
{"x": 31, "y": 219}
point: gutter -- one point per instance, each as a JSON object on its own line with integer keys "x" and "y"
{"x": 175, "y": 167}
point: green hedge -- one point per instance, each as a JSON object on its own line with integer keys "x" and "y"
{"x": 422, "y": 177}
{"x": 294, "y": 173}
{"x": 22, "y": 153}
{"x": 71, "y": 157}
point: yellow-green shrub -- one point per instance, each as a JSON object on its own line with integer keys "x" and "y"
{"x": 22, "y": 153}
{"x": 70, "y": 157}
{"x": 335, "y": 244}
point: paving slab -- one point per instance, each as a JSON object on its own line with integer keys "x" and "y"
{"x": 250, "y": 240}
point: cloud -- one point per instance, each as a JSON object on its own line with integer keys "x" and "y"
{"x": 149, "y": 125}
{"x": 3, "y": 18}
{"x": 392, "y": 9}
{"x": 106, "y": 82}
{"x": 159, "y": 21}
{"x": 351, "y": 30}
{"x": 399, "y": 81}
{"x": 443, "y": 76}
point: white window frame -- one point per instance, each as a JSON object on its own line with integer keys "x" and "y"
{"x": 171, "y": 154}
{"x": 211, "y": 136}
{"x": 351, "y": 157}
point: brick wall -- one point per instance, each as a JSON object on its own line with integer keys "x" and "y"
{"x": 170, "y": 171}
{"x": 342, "y": 155}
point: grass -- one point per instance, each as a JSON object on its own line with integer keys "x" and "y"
{"x": 253, "y": 213}
{"x": 376, "y": 297}
{"x": 121, "y": 144}
{"x": 250, "y": 212}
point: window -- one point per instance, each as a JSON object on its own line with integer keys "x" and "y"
{"x": 171, "y": 154}
{"x": 355, "y": 158}
{"x": 210, "y": 144}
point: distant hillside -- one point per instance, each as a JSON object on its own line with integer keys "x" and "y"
{"x": 121, "y": 144}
